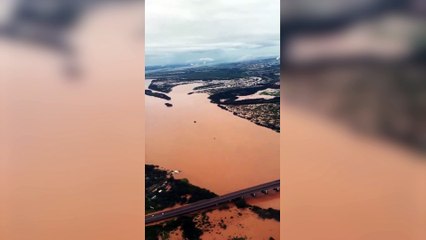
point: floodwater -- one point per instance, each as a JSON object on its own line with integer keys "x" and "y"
{"x": 213, "y": 148}
{"x": 239, "y": 223}
{"x": 72, "y": 150}
{"x": 250, "y": 222}
{"x": 343, "y": 185}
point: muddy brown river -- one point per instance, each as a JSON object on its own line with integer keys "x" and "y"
{"x": 72, "y": 150}
{"x": 211, "y": 147}
{"x": 340, "y": 184}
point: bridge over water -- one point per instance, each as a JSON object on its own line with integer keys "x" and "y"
{"x": 209, "y": 203}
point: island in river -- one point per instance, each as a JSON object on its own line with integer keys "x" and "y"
{"x": 222, "y": 151}
{"x": 249, "y": 89}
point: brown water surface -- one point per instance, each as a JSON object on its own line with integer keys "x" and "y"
{"x": 343, "y": 185}
{"x": 72, "y": 150}
{"x": 213, "y": 148}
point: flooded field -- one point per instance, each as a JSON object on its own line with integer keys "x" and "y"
{"x": 211, "y": 147}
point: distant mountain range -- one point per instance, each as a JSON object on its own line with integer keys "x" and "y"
{"x": 175, "y": 67}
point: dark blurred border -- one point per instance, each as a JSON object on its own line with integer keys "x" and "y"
{"x": 362, "y": 62}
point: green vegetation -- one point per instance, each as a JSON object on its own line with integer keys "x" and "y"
{"x": 204, "y": 220}
{"x": 269, "y": 213}
{"x": 163, "y": 230}
{"x": 162, "y": 190}
{"x": 225, "y": 82}
{"x": 241, "y": 203}
{"x": 238, "y": 238}
{"x": 186, "y": 224}
{"x": 222, "y": 224}
{"x": 157, "y": 94}
{"x": 261, "y": 67}
{"x": 266, "y": 115}
{"x": 189, "y": 229}
{"x": 223, "y": 207}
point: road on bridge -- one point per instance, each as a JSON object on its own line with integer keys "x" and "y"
{"x": 208, "y": 203}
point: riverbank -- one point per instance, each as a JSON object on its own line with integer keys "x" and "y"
{"x": 199, "y": 139}
{"x": 163, "y": 191}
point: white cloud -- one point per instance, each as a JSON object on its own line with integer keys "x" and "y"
{"x": 206, "y": 59}
{"x": 181, "y": 30}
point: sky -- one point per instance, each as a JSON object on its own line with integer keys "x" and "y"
{"x": 200, "y": 31}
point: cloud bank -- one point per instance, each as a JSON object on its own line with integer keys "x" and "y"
{"x": 186, "y": 31}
